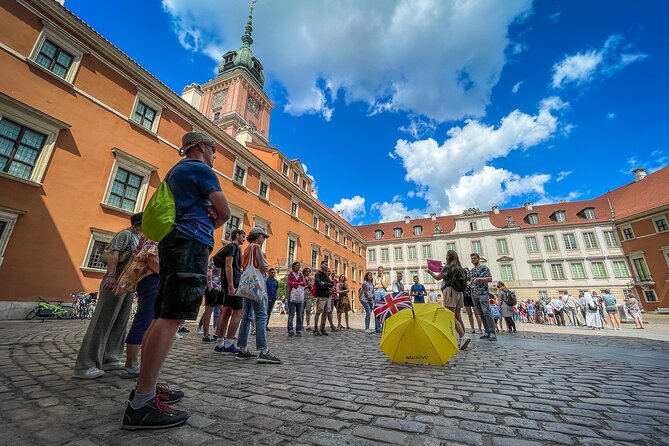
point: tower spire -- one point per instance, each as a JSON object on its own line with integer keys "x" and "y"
{"x": 247, "y": 40}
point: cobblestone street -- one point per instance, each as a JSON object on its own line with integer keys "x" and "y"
{"x": 545, "y": 385}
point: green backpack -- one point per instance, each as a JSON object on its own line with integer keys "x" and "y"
{"x": 160, "y": 213}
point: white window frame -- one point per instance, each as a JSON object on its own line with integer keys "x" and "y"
{"x": 295, "y": 202}
{"x": 627, "y": 269}
{"x": 371, "y": 255}
{"x": 132, "y": 164}
{"x": 242, "y": 165}
{"x": 473, "y": 226}
{"x": 532, "y": 219}
{"x": 537, "y": 268}
{"x": 77, "y": 51}
{"x": 262, "y": 180}
{"x": 235, "y": 211}
{"x": 560, "y": 216}
{"x": 574, "y": 276}
{"x": 656, "y": 220}
{"x": 504, "y": 266}
{"x": 451, "y": 246}
{"x": 412, "y": 249}
{"x": 645, "y": 296}
{"x": 397, "y": 232}
{"x": 423, "y": 248}
{"x": 594, "y": 240}
{"x": 385, "y": 258}
{"x": 378, "y": 234}
{"x": 155, "y": 104}
{"x": 291, "y": 238}
{"x": 261, "y": 223}
{"x": 418, "y": 230}
{"x": 427, "y": 278}
{"x": 336, "y": 235}
{"x": 285, "y": 167}
{"x": 592, "y": 268}
{"x": 624, "y": 228}
{"x": 100, "y": 235}
{"x": 505, "y": 242}
{"x": 535, "y": 246}
{"x": 326, "y": 229}
{"x": 572, "y": 239}
{"x": 9, "y": 216}
{"x": 589, "y": 214}
{"x": 401, "y": 256}
{"x": 35, "y": 120}
{"x": 314, "y": 263}
{"x": 611, "y": 239}
{"x": 480, "y": 247}
{"x": 551, "y": 237}
{"x": 316, "y": 221}
{"x": 564, "y": 276}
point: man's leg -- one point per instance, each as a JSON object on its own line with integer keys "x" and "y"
{"x": 261, "y": 325}
{"x": 270, "y": 307}
{"x": 223, "y": 320}
{"x": 486, "y": 315}
{"x": 157, "y": 344}
{"x": 245, "y": 326}
{"x": 235, "y": 319}
{"x": 206, "y": 320}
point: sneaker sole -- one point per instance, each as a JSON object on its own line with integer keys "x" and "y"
{"x": 245, "y": 359}
{"x": 130, "y": 427}
{"x": 268, "y": 361}
{"x": 465, "y": 344}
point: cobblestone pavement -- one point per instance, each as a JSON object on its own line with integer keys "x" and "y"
{"x": 546, "y": 385}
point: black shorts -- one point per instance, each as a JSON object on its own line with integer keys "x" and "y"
{"x": 211, "y": 297}
{"x": 234, "y": 302}
{"x": 183, "y": 276}
{"x": 467, "y": 298}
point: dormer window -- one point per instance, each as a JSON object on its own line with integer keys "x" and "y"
{"x": 397, "y": 232}
{"x": 418, "y": 230}
{"x": 378, "y": 234}
{"x": 284, "y": 169}
{"x": 532, "y": 219}
{"x": 304, "y": 185}
{"x": 589, "y": 214}
{"x": 559, "y": 216}
{"x": 296, "y": 177}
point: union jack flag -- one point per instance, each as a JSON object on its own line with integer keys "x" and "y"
{"x": 391, "y": 304}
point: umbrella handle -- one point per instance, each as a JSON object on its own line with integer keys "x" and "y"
{"x": 434, "y": 318}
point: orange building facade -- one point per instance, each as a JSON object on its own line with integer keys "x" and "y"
{"x": 86, "y": 135}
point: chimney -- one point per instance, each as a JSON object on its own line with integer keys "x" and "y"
{"x": 193, "y": 95}
{"x": 528, "y": 206}
{"x": 495, "y": 209}
{"x": 407, "y": 219}
{"x": 433, "y": 216}
{"x": 639, "y": 174}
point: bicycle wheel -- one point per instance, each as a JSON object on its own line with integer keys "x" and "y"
{"x": 32, "y": 314}
{"x": 65, "y": 313}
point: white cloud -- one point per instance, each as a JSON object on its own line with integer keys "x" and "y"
{"x": 516, "y": 87}
{"x": 395, "y": 211}
{"x": 433, "y": 58}
{"x": 563, "y": 174}
{"x": 655, "y": 161}
{"x": 585, "y": 66}
{"x": 611, "y": 116}
{"x": 419, "y": 127}
{"x": 455, "y": 175}
{"x": 554, "y": 17}
{"x": 351, "y": 208}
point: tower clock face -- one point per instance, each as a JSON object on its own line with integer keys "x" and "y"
{"x": 219, "y": 98}
{"x": 253, "y": 106}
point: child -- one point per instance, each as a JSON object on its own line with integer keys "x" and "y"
{"x": 496, "y": 314}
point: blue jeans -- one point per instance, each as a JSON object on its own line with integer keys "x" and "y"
{"x": 249, "y": 308}
{"x": 378, "y": 296}
{"x": 368, "y": 312}
{"x": 295, "y": 308}
{"x": 147, "y": 292}
{"x": 482, "y": 307}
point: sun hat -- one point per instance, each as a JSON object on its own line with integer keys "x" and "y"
{"x": 136, "y": 219}
{"x": 192, "y": 138}
{"x": 258, "y": 231}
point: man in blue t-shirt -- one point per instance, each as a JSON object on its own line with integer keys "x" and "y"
{"x": 184, "y": 254}
{"x": 272, "y": 290}
{"x": 418, "y": 291}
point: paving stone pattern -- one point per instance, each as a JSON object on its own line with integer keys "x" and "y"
{"x": 341, "y": 390}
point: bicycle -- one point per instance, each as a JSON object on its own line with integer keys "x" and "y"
{"x": 46, "y": 309}
{"x": 83, "y": 304}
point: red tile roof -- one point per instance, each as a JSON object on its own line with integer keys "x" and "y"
{"x": 447, "y": 225}
{"x": 545, "y": 211}
{"x": 645, "y": 195}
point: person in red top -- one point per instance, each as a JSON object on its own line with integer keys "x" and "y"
{"x": 295, "y": 298}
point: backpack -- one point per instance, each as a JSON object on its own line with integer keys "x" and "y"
{"x": 160, "y": 214}
{"x": 510, "y": 298}
{"x": 456, "y": 279}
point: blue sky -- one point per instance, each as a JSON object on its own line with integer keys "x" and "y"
{"x": 426, "y": 105}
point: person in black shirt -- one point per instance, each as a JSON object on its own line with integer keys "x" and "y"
{"x": 229, "y": 260}
{"x": 323, "y": 293}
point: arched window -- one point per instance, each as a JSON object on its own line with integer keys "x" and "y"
{"x": 418, "y": 230}
{"x": 378, "y": 234}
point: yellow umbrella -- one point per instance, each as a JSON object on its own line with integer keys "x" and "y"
{"x": 424, "y": 335}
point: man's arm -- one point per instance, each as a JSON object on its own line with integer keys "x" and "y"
{"x": 109, "y": 279}
{"x": 221, "y": 206}
{"x": 229, "y": 276}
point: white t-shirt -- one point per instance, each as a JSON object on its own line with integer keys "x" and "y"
{"x": 432, "y": 295}
{"x": 557, "y": 304}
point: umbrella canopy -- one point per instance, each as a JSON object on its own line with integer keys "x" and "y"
{"x": 425, "y": 335}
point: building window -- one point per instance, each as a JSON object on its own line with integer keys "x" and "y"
{"x": 532, "y": 219}
{"x": 240, "y": 174}
{"x": 20, "y": 149}
{"x": 336, "y": 235}
{"x": 327, "y": 230}
{"x": 397, "y": 232}
{"x": 304, "y": 185}
{"x": 598, "y": 270}
{"x": 538, "y": 272}
{"x": 8, "y": 219}
{"x": 569, "y": 241}
{"x": 650, "y": 296}
{"x": 473, "y": 226}
{"x": 411, "y": 252}
{"x": 263, "y": 191}
{"x": 219, "y": 99}
{"x": 371, "y": 255}
{"x": 144, "y": 115}
{"x": 550, "y": 242}
{"x": 557, "y": 271}
{"x": 128, "y": 182}
{"x": 314, "y": 258}
{"x": 427, "y": 279}
{"x": 476, "y": 247}
{"x": 253, "y": 107}
{"x": 57, "y": 54}
{"x": 611, "y": 239}
{"x": 292, "y": 246}
{"x": 336, "y": 266}
{"x": 661, "y": 225}
{"x": 385, "y": 256}
{"x": 642, "y": 272}
{"x": 506, "y": 272}
{"x": 378, "y": 234}
{"x": 531, "y": 244}
{"x": 316, "y": 221}
{"x": 54, "y": 58}
{"x": 427, "y": 251}
{"x": 98, "y": 243}
{"x": 217, "y": 115}
{"x": 502, "y": 246}
{"x": 450, "y": 246}
{"x": 398, "y": 254}
{"x": 413, "y": 274}
{"x": 284, "y": 169}
{"x": 620, "y": 269}
{"x": 296, "y": 177}
{"x": 233, "y": 223}
{"x": 589, "y": 214}
{"x": 543, "y": 295}
{"x": 345, "y": 241}
{"x": 590, "y": 240}
{"x": 560, "y": 216}
{"x": 418, "y": 230}
{"x": 294, "y": 208}
{"x": 353, "y": 273}
{"x": 628, "y": 233}
{"x": 577, "y": 271}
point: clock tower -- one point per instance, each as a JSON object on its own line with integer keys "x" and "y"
{"x": 234, "y": 100}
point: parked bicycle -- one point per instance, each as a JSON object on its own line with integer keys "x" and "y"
{"x": 47, "y": 310}
{"x": 84, "y": 304}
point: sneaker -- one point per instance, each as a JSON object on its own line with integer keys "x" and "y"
{"x": 154, "y": 415}
{"x": 464, "y": 342}
{"x": 200, "y": 331}
{"x": 91, "y": 373}
{"x": 178, "y": 336}
{"x": 245, "y": 355}
{"x": 231, "y": 350}
{"x": 130, "y": 372}
{"x": 113, "y": 366}
{"x": 317, "y": 333}
{"x": 324, "y": 333}
{"x": 299, "y": 335}
{"x": 308, "y": 328}
{"x": 209, "y": 338}
{"x": 268, "y": 358}
{"x": 492, "y": 338}
{"x": 183, "y": 330}
{"x": 291, "y": 334}
{"x": 165, "y": 394}
{"x": 485, "y": 336}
